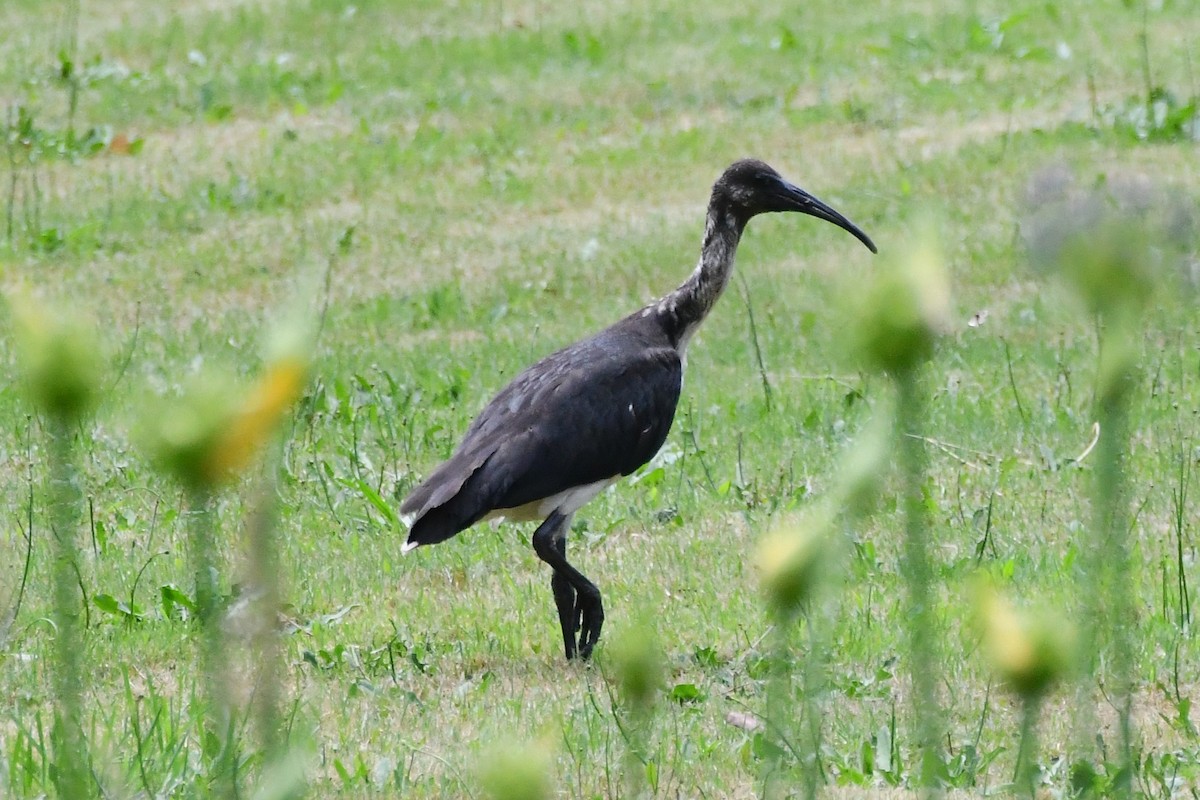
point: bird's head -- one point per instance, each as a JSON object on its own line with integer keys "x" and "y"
{"x": 749, "y": 187}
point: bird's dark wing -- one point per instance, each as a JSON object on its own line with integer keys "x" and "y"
{"x": 596, "y": 410}
{"x": 598, "y": 421}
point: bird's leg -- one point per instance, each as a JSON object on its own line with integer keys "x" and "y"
{"x": 551, "y": 538}
{"x": 578, "y": 599}
{"x": 564, "y": 598}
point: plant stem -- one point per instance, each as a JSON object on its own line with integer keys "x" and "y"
{"x": 814, "y": 685}
{"x": 1112, "y": 527}
{"x": 70, "y": 48}
{"x": 1147, "y": 77}
{"x": 758, "y": 356}
{"x": 1025, "y": 775}
{"x": 917, "y": 575}
{"x": 1105, "y": 574}
{"x": 70, "y": 746}
{"x": 779, "y": 701}
{"x": 202, "y": 545}
{"x": 264, "y": 571}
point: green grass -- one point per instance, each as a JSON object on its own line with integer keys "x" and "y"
{"x": 518, "y": 175}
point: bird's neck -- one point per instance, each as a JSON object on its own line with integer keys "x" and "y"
{"x": 682, "y": 311}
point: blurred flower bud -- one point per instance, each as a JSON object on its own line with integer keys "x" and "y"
{"x": 59, "y": 357}
{"x": 1029, "y": 653}
{"x": 791, "y": 559}
{"x": 210, "y": 434}
{"x": 1104, "y": 258}
{"x": 904, "y": 308}
{"x": 638, "y": 665}
{"x": 516, "y": 772}
{"x": 182, "y": 432}
{"x": 1111, "y": 241}
{"x": 253, "y": 423}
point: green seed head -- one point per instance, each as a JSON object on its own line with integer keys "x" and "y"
{"x": 1030, "y": 652}
{"x": 181, "y": 432}
{"x": 215, "y": 429}
{"x": 59, "y": 358}
{"x": 1112, "y": 242}
{"x": 1106, "y": 260}
{"x": 903, "y": 309}
{"x": 791, "y": 560}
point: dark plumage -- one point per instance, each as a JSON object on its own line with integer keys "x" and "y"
{"x": 583, "y": 417}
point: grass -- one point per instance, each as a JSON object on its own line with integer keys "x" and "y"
{"x": 504, "y": 179}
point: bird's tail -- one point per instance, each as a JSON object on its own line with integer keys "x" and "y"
{"x": 450, "y": 500}
{"x": 438, "y": 524}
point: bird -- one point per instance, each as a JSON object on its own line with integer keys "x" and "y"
{"x": 574, "y": 423}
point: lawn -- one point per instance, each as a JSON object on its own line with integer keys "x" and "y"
{"x": 471, "y": 185}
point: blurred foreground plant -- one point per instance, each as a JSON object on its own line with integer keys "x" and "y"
{"x": 1030, "y": 654}
{"x": 516, "y": 772}
{"x": 207, "y": 437}
{"x": 795, "y": 561}
{"x": 637, "y": 666}
{"x": 1114, "y": 244}
{"x": 60, "y": 364}
{"x": 899, "y": 318}
{"x": 798, "y": 562}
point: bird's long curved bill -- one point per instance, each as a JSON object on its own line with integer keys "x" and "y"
{"x": 799, "y": 200}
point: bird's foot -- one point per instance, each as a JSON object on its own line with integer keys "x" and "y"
{"x": 591, "y": 618}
